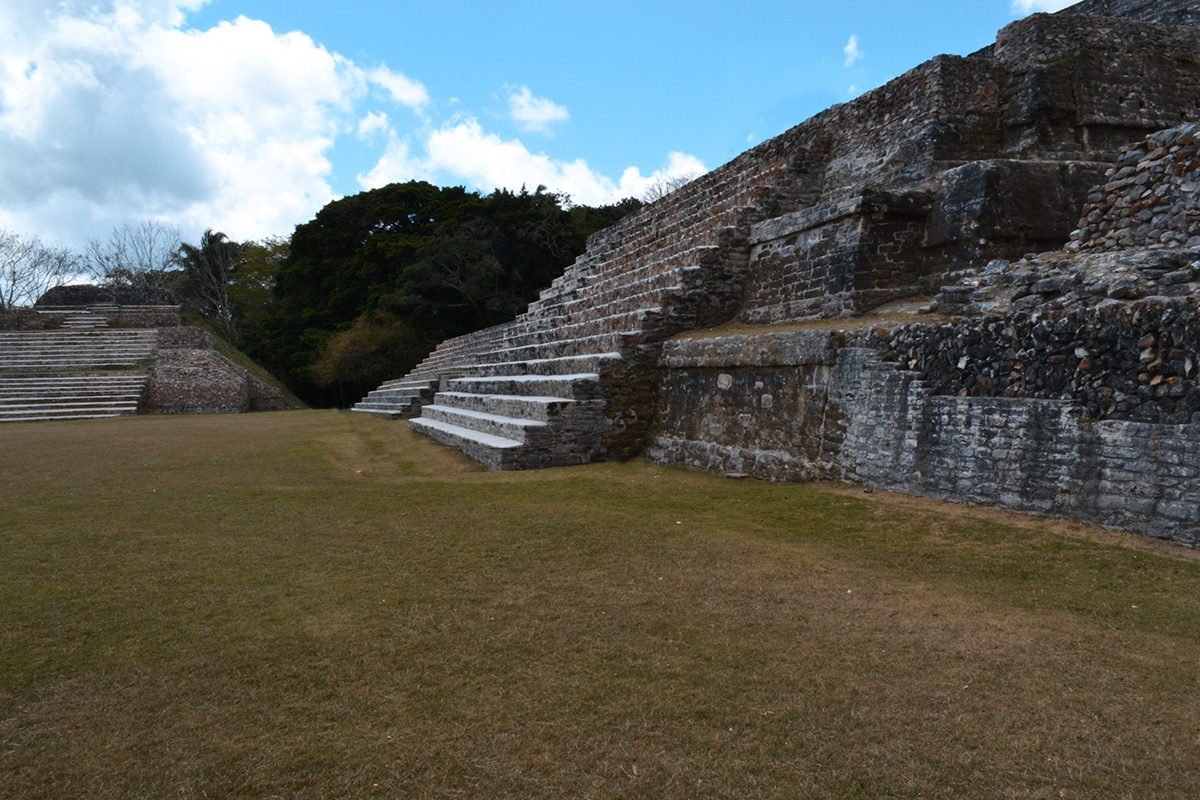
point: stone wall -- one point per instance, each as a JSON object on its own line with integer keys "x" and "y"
{"x": 190, "y": 376}
{"x": 1078, "y": 88}
{"x": 25, "y": 319}
{"x": 1135, "y": 361}
{"x": 1039, "y": 456}
{"x": 757, "y": 405}
{"x": 835, "y": 259}
{"x": 1070, "y": 389}
{"x": 1169, "y": 12}
{"x": 83, "y": 295}
{"x": 812, "y": 405}
{"x": 1151, "y": 199}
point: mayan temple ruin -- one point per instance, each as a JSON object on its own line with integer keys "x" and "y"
{"x": 85, "y": 352}
{"x": 1009, "y": 242}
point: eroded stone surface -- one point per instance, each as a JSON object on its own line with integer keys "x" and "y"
{"x": 1061, "y": 382}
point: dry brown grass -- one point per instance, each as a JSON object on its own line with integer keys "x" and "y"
{"x": 314, "y": 604}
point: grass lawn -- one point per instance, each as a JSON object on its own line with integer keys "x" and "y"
{"x": 315, "y": 604}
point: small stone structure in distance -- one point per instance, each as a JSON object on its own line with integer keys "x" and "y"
{"x": 1036, "y": 199}
{"x": 84, "y": 352}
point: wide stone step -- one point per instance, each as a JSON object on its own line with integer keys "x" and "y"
{"x": 494, "y": 452}
{"x": 69, "y": 355}
{"x": 40, "y": 413}
{"x": 68, "y": 416}
{"x": 572, "y": 386}
{"x": 505, "y": 427}
{"x": 565, "y": 348}
{"x": 88, "y": 337}
{"x": 586, "y": 310}
{"x": 11, "y": 404}
{"x": 531, "y": 407}
{"x": 65, "y": 395}
{"x": 76, "y": 365}
{"x": 82, "y": 341}
{"x": 397, "y": 399}
{"x": 56, "y": 346}
{"x": 400, "y": 392}
{"x": 73, "y": 379}
{"x": 602, "y": 364}
{"x": 406, "y": 383}
{"x": 397, "y": 409}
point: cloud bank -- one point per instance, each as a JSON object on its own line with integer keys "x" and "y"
{"x": 116, "y": 111}
{"x": 1023, "y": 7}
{"x": 462, "y": 149}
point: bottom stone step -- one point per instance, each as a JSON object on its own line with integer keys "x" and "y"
{"x": 45, "y": 415}
{"x": 389, "y": 411}
{"x": 494, "y": 452}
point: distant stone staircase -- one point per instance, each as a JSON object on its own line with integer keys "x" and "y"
{"x": 84, "y": 319}
{"x": 73, "y": 374}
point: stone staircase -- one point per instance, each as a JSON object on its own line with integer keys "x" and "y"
{"x": 73, "y": 374}
{"x": 85, "y": 319}
{"x": 536, "y": 392}
{"x": 524, "y": 414}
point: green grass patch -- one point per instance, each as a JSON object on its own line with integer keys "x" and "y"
{"x": 320, "y": 604}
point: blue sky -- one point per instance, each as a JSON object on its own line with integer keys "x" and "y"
{"x": 249, "y": 115}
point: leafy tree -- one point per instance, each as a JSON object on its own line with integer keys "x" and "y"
{"x": 444, "y": 261}
{"x": 251, "y": 289}
{"x": 356, "y": 360}
{"x": 457, "y": 276}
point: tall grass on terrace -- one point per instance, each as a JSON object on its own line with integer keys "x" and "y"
{"x": 314, "y": 604}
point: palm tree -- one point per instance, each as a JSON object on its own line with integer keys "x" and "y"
{"x": 207, "y": 273}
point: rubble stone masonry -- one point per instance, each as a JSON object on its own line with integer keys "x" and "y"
{"x": 1057, "y": 381}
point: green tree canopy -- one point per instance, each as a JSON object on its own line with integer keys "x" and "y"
{"x": 424, "y": 262}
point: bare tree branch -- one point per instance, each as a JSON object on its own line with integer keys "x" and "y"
{"x": 137, "y": 255}
{"x": 28, "y": 269}
{"x": 663, "y": 185}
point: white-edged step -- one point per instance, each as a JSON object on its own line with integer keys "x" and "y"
{"x": 494, "y": 452}
{"x": 516, "y": 429}
{"x": 398, "y": 399}
{"x": 47, "y": 396}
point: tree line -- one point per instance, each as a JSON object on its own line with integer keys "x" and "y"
{"x": 357, "y": 295}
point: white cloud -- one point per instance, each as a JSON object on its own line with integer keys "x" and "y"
{"x": 462, "y": 152}
{"x": 465, "y": 152}
{"x": 853, "y": 54}
{"x": 534, "y": 113}
{"x": 1023, "y": 7}
{"x": 371, "y": 125}
{"x": 396, "y": 165}
{"x": 403, "y": 90}
{"x": 114, "y": 112}
{"x": 678, "y": 165}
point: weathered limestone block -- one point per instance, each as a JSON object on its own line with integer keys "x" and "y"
{"x": 189, "y": 376}
{"x": 883, "y": 425}
{"x": 191, "y": 381}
